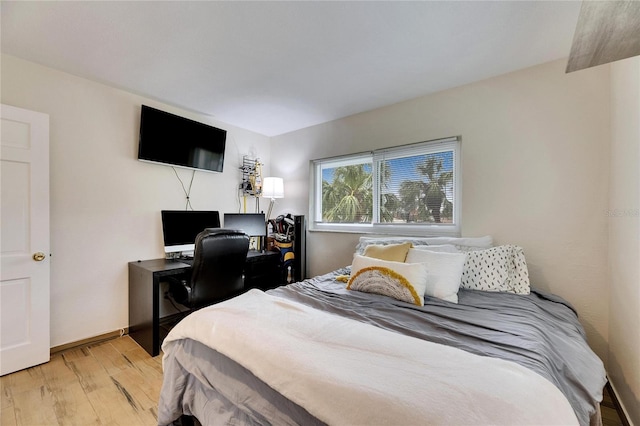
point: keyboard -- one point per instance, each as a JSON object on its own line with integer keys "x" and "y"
{"x": 184, "y": 259}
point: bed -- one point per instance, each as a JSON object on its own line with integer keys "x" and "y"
{"x": 322, "y": 352}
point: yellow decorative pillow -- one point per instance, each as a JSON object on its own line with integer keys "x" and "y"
{"x": 391, "y": 252}
{"x": 403, "y": 281}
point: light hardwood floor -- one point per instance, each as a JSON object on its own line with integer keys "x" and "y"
{"x": 111, "y": 383}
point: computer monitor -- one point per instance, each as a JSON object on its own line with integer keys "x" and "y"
{"x": 252, "y": 224}
{"x": 180, "y": 228}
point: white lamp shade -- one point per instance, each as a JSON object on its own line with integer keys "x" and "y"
{"x": 273, "y": 187}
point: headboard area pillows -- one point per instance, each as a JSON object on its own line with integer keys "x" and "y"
{"x": 391, "y": 252}
{"x": 444, "y": 248}
{"x": 461, "y": 243}
{"x": 501, "y": 268}
{"x": 402, "y": 281}
{"x": 444, "y": 271}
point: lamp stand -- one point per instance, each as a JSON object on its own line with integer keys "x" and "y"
{"x": 271, "y": 203}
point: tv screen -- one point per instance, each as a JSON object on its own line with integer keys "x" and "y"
{"x": 169, "y": 139}
{"x": 180, "y": 228}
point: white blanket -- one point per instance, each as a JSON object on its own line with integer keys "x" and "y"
{"x": 347, "y": 372}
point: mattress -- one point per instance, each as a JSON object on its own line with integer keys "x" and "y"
{"x": 538, "y": 332}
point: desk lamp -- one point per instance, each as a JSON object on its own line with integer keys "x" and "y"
{"x": 272, "y": 187}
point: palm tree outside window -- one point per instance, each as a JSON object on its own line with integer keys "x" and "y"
{"x": 395, "y": 190}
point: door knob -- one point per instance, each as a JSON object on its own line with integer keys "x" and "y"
{"x": 39, "y": 256}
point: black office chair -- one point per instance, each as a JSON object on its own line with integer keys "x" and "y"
{"x": 216, "y": 274}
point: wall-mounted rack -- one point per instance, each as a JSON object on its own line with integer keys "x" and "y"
{"x": 251, "y": 184}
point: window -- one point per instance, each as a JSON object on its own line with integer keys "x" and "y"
{"x": 407, "y": 189}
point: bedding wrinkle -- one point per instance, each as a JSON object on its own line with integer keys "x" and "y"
{"x": 539, "y": 331}
{"x": 226, "y": 394}
{"x": 340, "y": 353}
{"x": 365, "y": 362}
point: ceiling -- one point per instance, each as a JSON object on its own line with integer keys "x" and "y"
{"x": 275, "y": 67}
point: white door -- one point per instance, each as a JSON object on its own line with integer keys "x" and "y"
{"x": 24, "y": 239}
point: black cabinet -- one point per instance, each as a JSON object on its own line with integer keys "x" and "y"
{"x": 144, "y": 299}
{"x": 299, "y": 249}
{"x": 262, "y": 270}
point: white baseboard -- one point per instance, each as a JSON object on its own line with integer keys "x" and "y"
{"x": 90, "y": 341}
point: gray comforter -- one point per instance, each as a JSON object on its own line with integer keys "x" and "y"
{"x": 539, "y": 331}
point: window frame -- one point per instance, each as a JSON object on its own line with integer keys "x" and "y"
{"x": 376, "y": 227}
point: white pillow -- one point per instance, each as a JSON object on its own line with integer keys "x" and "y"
{"x": 444, "y": 248}
{"x": 501, "y": 268}
{"x": 403, "y": 281}
{"x": 444, "y": 271}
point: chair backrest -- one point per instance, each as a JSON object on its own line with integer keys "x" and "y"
{"x": 218, "y": 263}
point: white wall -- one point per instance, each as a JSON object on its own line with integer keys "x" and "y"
{"x": 624, "y": 236}
{"x": 535, "y": 169}
{"x": 105, "y": 204}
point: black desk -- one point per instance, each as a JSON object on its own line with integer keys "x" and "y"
{"x": 262, "y": 270}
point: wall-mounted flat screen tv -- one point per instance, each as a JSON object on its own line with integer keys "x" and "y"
{"x": 170, "y": 139}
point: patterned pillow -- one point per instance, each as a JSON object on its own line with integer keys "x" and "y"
{"x": 403, "y": 281}
{"x": 501, "y": 268}
{"x": 444, "y": 271}
{"x": 392, "y": 252}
